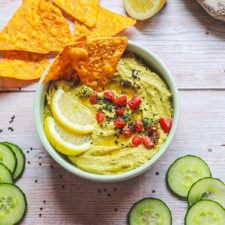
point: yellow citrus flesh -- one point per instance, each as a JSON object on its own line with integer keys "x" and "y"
{"x": 143, "y": 9}
{"x": 71, "y": 114}
{"x": 65, "y": 141}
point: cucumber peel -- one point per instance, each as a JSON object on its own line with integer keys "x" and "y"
{"x": 150, "y": 211}
{"x": 7, "y": 157}
{"x": 205, "y": 212}
{"x": 13, "y": 204}
{"x": 207, "y": 188}
{"x": 20, "y": 159}
{"x": 184, "y": 172}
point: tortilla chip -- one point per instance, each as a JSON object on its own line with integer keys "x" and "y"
{"x": 108, "y": 24}
{"x": 22, "y": 65}
{"x": 37, "y": 26}
{"x": 93, "y": 60}
{"x": 61, "y": 67}
{"x": 85, "y": 11}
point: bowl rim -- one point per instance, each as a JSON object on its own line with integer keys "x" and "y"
{"x": 167, "y": 76}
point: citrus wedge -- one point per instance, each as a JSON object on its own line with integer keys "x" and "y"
{"x": 143, "y": 9}
{"x": 64, "y": 141}
{"x": 71, "y": 114}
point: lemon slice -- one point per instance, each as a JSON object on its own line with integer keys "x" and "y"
{"x": 71, "y": 114}
{"x": 64, "y": 141}
{"x": 143, "y": 9}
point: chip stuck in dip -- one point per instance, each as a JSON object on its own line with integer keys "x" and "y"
{"x": 113, "y": 130}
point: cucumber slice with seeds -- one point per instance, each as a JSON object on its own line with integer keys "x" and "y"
{"x": 205, "y": 212}
{"x": 207, "y": 188}
{"x": 184, "y": 172}
{"x": 13, "y": 204}
{"x": 20, "y": 159}
{"x": 5, "y": 175}
{"x": 150, "y": 211}
{"x": 7, "y": 157}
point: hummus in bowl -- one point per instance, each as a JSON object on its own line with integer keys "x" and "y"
{"x": 135, "y": 118}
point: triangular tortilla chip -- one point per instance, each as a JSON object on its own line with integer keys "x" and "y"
{"x": 37, "y": 26}
{"x": 85, "y": 11}
{"x": 94, "y": 61}
{"x": 108, "y": 24}
{"x": 22, "y": 65}
{"x": 62, "y": 66}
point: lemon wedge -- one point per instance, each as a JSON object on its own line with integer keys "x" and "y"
{"x": 143, "y": 9}
{"x": 71, "y": 114}
{"x": 64, "y": 141}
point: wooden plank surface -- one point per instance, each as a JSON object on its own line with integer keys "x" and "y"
{"x": 187, "y": 40}
{"x": 192, "y": 45}
{"x": 79, "y": 202}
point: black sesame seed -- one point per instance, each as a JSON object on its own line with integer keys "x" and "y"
{"x": 1, "y": 130}
{"x": 157, "y": 173}
{"x": 44, "y": 201}
{"x": 99, "y": 191}
{"x": 114, "y": 189}
{"x": 40, "y": 164}
{"x": 40, "y": 215}
{"x": 27, "y": 152}
{"x": 51, "y": 166}
{"x": 105, "y": 190}
{"x": 28, "y": 162}
{"x": 11, "y": 129}
{"x": 36, "y": 181}
{"x": 31, "y": 148}
{"x": 109, "y": 195}
{"x": 61, "y": 176}
{"x": 39, "y": 157}
{"x": 41, "y": 208}
{"x": 153, "y": 191}
{"x": 63, "y": 186}
{"x": 115, "y": 209}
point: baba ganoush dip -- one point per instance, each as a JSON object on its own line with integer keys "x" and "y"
{"x": 133, "y": 118}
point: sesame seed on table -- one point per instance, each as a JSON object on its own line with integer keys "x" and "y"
{"x": 192, "y": 45}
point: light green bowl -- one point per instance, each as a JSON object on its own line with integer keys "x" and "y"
{"x": 154, "y": 62}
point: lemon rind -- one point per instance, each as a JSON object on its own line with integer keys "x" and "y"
{"x": 61, "y": 119}
{"x": 143, "y": 16}
{"x": 59, "y": 144}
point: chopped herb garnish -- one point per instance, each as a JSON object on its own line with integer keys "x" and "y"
{"x": 135, "y": 74}
{"x": 125, "y": 83}
{"x": 84, "y": 92}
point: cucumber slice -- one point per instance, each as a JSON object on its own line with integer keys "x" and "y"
{"x": 207, "y": 188}
{"x": 5, "y": 175}
{"x": 184, "y": 172}
{"x": 20, "y": 159}
{"x": 205, "y": 212}
{"x": 7, "y": 157}
{"x": 13, "y": 204}
{"x": 150, "y": 211}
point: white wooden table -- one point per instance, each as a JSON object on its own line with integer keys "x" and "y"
{"x": 193, "y": 46}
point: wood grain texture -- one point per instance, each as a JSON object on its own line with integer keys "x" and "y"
{"x": 192, "y": 44}
{"x": 81, "y": 202}
{"x": 183, "y": 35}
